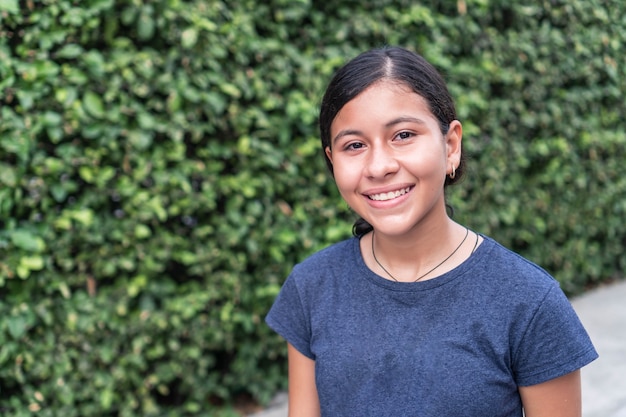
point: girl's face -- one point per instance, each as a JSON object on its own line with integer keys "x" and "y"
{"x": 390, "y": 158}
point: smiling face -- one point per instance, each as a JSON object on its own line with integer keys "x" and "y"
{"x": 390, "y": 159}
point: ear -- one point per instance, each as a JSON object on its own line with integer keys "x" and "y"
{"x": 329, "y": 154}
{"x": 453, "y": 143}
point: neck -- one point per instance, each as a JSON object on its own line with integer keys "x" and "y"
{"x": 420, "y": 255}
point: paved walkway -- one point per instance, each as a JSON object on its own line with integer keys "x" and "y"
{"x": 603, "y": 312}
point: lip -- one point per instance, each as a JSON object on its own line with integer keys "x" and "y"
{"x": 401, "y": 191}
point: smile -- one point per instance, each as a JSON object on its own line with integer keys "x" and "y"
{"x": 390, "y": 195}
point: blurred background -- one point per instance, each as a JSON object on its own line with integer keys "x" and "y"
{"x": 161, "y": 173}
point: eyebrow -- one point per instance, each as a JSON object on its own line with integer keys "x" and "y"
{"x": 403, "y": 119}
{"x": 346, "y": 132}
{"x": 391, "y": 123}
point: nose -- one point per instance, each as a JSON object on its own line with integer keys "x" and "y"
{"x": 382, "y": 162}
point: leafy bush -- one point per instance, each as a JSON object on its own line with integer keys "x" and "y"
{"x": 160, "y": 174}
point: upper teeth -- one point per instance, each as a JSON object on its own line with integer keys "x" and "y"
{"x": 389, "y": 195}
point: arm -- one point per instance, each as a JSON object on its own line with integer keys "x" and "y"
{"x": 559, "y": 397}
{"x": 303, "y": 400}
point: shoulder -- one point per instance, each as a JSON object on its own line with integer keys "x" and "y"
{"x": 329, "y": 258}
{"x": 501, "y": 260}
{"x": 321, "y": 275}
{"x": 312, "y": 285}
{"x": 511, "y": 274}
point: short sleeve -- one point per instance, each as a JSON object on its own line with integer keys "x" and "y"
{"x": 288, "y": 318}
{"x": 555, "y": 342}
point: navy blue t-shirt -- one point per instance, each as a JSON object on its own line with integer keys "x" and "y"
{"x": 456, "y": 345}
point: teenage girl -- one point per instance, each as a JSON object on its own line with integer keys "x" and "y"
{"x": 417, "y": 315}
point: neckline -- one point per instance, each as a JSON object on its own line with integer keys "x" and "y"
{"x": 457, "y": 272}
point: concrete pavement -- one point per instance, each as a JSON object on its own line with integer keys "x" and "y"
{"x": 603, "y": 312}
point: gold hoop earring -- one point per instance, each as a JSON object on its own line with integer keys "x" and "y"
{"x": 453, "y": 174}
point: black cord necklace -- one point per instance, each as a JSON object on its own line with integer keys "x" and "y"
{"x": 422, "y": 276}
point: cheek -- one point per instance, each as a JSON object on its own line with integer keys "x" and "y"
{"x": 346, "y": 175}
{"x": 343, "y": 181}
{"x": 422, "y": 166}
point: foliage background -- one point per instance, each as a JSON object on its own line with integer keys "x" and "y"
{"x": 160, "y": 174}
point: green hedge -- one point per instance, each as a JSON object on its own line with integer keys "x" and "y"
{"x": 160, "y": 174}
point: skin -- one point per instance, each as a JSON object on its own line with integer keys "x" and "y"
{"x": 386, "y": 140}
{"x": 559, "y": 397}
{"x": 303, "y": 399}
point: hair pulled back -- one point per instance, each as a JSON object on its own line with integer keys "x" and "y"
{"x": 394, "y": 64}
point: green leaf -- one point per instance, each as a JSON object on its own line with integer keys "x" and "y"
{"x": 87, "y": 173}
{"x": 106, "y": 398}
{"x": 33, "y": 263}
{"x": 93, "y": 104}
{"x": 17, "y": 326}
{"x": 84, "y": 216}
{"x": 231, "y": 90}
{"x": 26, "y": 240}
{"x": 140, "y": 139}
{"x": 10, "y": 6}
{"x": 145, "y": 27}
{"x": 142, "y": 231}
{"x": 189, "y": 37}
{"x": 69, "y": 51}
{"x": 7, "y": 175}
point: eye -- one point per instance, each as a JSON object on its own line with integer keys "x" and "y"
{"x": 354, "y": 146}
{"x": 405, "y": 135}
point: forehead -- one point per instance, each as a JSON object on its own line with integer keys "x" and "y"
{"x": 382, "y": 101}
